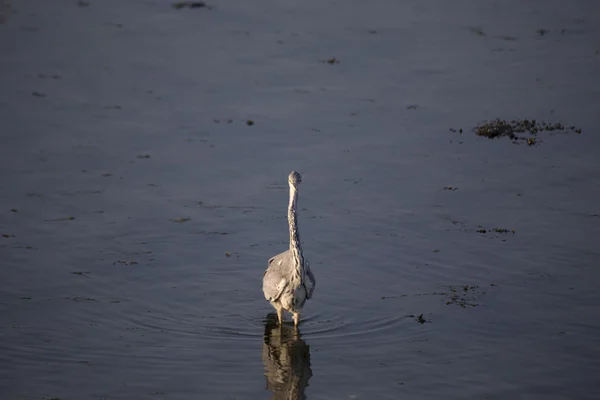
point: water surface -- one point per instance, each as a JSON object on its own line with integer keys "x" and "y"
{"x": 139, "y": 207}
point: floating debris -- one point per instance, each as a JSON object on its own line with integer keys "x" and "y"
{"x": 464, "y": 295}
{"x": 60, "y": 219}
{"x": 26, "y": 247}
{"x": 180, "y": 220}
{"x": 477, "y": 31}
{"x": 419, "y": 318}
{"x": 450, "y": 188}
{"x": 142, "y": 156}
{"x": 542, "y": 32}
{"x": 6, "y": 235}
{"x": 497, "y": 230}
{"x": 14, "y": 210}
{"x": 249, "y": 122}
{"x": 508, "y": 38}
{"x": 125, "y": 262}
{"x": 80, "y": 299}
{"x": 512, "y": 129}
{"x": 393, "y": 297}
{"x": 191, "y": 4}
{"x": 412, "y": 107}
{"x": 38, "y": 94}
{"x": 332, "y": 61}
{"x": 464, "y": 227}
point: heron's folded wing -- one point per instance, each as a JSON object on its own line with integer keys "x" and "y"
{"x": 273, "y": 284}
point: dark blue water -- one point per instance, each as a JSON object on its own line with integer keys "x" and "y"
{"x": 138, "y": 207}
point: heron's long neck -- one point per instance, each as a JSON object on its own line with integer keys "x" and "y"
{"x": 295, "y": 245}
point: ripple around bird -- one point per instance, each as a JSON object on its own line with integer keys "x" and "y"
{"x": 330, "y": 323}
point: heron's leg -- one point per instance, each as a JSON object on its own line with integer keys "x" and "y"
{"x": 279, "y": 309}
{"x": 296, "y": 319}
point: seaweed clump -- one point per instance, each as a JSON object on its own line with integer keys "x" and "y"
{"x": 464, "y": 296}
{"x": 514, "y": 128}
{"x": 191, "y": 4}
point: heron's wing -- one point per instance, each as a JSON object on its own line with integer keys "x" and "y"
{"x": 273, "y": 286}
{"x": 275, "y": 279}
{"x": 310, "y": 283}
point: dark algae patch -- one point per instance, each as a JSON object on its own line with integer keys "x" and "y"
{"x": 477, "y": 31}
{"x": 60, "y": 219}
{"x": 464, "y": 296}
{"x": 191, "y": 4}
{"x": 421, "y": 319}
{"x": 495, "y": 230}
{"x": 125, "y": 262}
{"x": 522, "y": 130}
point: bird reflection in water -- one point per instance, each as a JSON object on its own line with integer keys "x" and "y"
{"x": 287, "y": 360}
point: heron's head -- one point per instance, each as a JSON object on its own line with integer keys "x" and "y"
{"x": 294, "y": 179}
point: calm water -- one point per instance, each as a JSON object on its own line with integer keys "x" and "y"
{"x": 138, "y": 208}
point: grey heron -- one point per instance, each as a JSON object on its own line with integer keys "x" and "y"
{"x": 288, "y": 281}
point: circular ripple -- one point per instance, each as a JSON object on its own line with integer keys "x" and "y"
{"x": 324, "y": 327}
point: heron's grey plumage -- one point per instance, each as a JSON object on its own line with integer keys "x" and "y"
{"x": 288, "y": 281}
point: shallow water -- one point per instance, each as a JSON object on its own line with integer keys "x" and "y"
{"x": 121, "y": 120}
